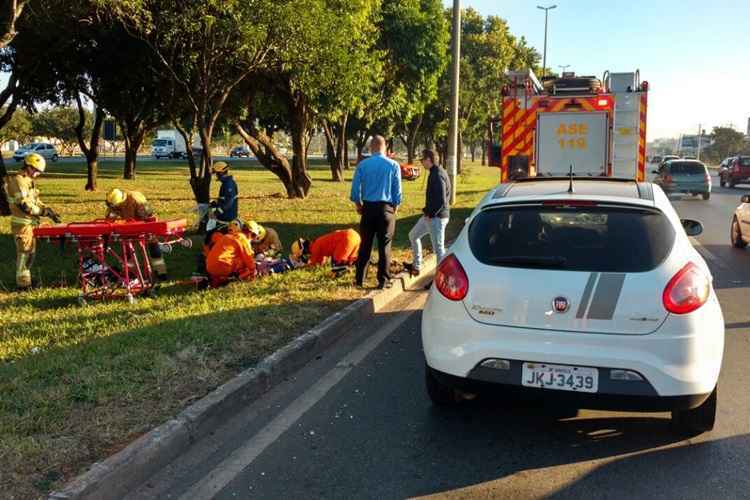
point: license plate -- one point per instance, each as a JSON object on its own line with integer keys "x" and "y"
{"x": 559, "y": 377}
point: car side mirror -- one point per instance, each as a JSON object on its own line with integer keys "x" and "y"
{"x": 692, "y": 227}
{"x": 745, "y": 198}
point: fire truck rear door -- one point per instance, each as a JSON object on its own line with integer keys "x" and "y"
{"x": 577, "y": 138}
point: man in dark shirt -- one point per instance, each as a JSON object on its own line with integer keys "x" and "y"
{"x": 376, "y": 191}
{"x": 436, "y": 213}
{"x": 226, "y": 204}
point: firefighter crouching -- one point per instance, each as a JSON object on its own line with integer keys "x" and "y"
{"x": 340, "y": 246}
{"x": 265, "y": 240}
{"x": 25, "y": 210}
{"x": 132, "y": 205}
{"x": 230, "y": 256}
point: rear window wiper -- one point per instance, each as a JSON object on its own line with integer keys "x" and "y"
{"x": 528, "y": 260}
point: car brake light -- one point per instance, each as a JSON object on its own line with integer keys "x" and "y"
{"x": 451, "y": 279}
{"x": 569, "y": 203}
{"x": 687, "y": 291}
{"x": 668, "y": 179}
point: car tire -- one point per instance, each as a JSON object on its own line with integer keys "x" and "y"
{"x": 440, "y": 394}
{"x": 706, "y": 196}
{"x": 736, "y": 234}
{"x": 722, "y": 182}
{"x": 696, "y": 420}
{"x": 731, "y": 183}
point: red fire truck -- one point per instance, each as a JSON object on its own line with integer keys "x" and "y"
{"x": 596, "y": 126}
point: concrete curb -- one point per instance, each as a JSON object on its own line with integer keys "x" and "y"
{"x": 132, "y": 466}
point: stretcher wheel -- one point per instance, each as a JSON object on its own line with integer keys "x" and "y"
{"x": 153, "y": 292}
{"x": 130, "y": 298}
{"x": 186, "y": 243}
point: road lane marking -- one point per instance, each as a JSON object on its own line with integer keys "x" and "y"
{"x": 218, "y": 478}
{"x": 708, "y": 254}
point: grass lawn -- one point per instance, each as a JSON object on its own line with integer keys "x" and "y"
{"x": 77, "y": 384}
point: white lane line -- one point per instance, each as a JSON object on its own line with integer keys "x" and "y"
{"x": 709, "y": 254}
{"x": 211, "y": 484}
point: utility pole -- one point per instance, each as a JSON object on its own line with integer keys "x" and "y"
{"x": 455, "y": 73}
{"x": 546, "y": 13}
{"x": 698, "y": 156}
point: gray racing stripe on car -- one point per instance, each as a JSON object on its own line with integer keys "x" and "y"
{"x": 607, "y": 294}
{"x": 587, "y": 295}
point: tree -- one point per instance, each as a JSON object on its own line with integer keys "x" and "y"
{"x": 727, "y": 142}
{"x": 59, "y": 123}
{"x": 128, "y": 88}
{"x": 316, "y": 75}
{"x": 9, "y": 15}
{"x": 205, "y": 48}
{"x": 18, "y": 128}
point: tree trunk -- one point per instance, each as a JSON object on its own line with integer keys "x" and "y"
{"x": 459, "y": 154}
{"x": 484, "y": 154}
{"x": 4, "y": 205}
{"x": 299, "y": 131}
{"x": 91, "y": 150}
{"x": 262, "y": 146}
{"x": 411, "y": 140}
{"x": 336, "y": 146}
{"x": 473, "y": 153}
{"x": 133, "y": 141}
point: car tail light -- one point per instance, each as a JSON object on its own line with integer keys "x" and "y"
{"x": 570, "y": 203}
{"x": 668, "y": 179}
{"x": 451, "y": 280}
{"x": 708, "y": 178}
{"x": 687, "y": 291}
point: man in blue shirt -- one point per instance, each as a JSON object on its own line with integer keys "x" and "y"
{"x": 376, "y": 191}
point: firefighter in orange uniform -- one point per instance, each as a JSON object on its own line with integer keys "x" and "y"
{"x": 340, "y": 246}
{"x": 231, "y": 255}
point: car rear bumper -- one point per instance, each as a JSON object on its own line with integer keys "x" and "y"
{"x": 687, "y": 188}
{"x": 683, "y": 358}
{"x": 480, "y": 381}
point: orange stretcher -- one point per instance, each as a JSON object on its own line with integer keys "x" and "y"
{"x": 113, "y": 259}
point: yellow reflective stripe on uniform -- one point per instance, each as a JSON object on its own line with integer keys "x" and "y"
{"x": 24, "y": 221}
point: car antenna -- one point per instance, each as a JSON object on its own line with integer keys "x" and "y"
{"x": 570, "y": 176}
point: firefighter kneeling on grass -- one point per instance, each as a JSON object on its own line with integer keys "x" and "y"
{"x": 340, "y": 246}
{"x": 230, "y": 256}
{"x": 25, "y": 210}
{"x": 132, "y": 205}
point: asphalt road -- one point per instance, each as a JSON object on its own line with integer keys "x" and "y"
{"x": 358, "y": 424}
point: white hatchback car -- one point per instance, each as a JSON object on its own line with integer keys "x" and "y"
{"x": 583, "y": 294}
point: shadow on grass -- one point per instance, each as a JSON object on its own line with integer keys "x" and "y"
{"x": 97, "y": 392}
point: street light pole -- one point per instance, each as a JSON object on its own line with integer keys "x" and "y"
{"x": 455, "y": 73}
{"x": 546, "y": 12}
{"x": 563, "y": 67}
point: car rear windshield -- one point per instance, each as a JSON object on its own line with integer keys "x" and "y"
{"x": 605, "y": 238}
{"x": 687, "y": 168}
{"x": 745, "y": 162}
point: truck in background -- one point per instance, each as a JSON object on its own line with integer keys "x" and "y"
{"x": 596, "y": 126}
{"x": 168, "y": 144}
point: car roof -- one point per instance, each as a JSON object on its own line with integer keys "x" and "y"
{"x": 608, "y": 189}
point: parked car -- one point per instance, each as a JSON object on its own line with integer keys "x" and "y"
{"x": 586, "y": 298}
{"x": 47, "y": 150}
{"x": 410, "y": 172}
{"x": 240, "y": 152}
{"x": 667, "y": 158}
{"x": 741, "y": 218}
{"x": 736, "y": 172}
{"x": 656, "y": 159}
{"x": 684, "y": 176}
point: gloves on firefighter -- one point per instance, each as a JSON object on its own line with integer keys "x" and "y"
{"x": 50, "y": 213}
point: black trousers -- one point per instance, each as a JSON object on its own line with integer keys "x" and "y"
{"x": 378, "y": 219}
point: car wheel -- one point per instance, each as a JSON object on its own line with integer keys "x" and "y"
{"x": 697, "y": 420}
{"x": 736, "y": 234}
{"x": 731, "y": 183}
{"x": 440, "y": 394}
{"x": 706, "y": 196}
{"x": 722, "y": 182}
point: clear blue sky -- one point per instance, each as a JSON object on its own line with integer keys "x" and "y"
{"x": 695, "y": 54}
